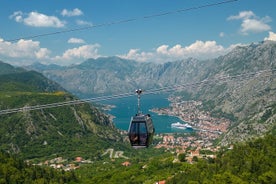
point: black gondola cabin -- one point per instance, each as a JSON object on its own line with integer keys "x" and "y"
{"x": 141, "y": 131}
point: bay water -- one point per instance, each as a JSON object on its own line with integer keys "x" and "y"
{"x": 125, "y": 108}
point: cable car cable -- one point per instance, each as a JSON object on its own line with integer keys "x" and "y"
{"x": 150, "y": 91}
{"x": 123, "y": 21}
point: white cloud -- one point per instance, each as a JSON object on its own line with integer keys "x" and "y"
{"x": 163, "y": 49}
{"x": 71, "y": 13}
{"x": 26, "y": 52}
{"x": 242, "y": 15}
{"x": 134, "y": 54}
{"x": 26, "y": 49}
{"x": 42, "y": 53}
{"x": 199, "y": 50}
{"x": 78, "y": 54}
{"x": 76, "y": 40}
{"x": 207, "y": 48}
{"x": 36, "y": 19}
{"x": 271, "y": 36}
{"x": 251, "y": 23}
{"x": 17, "y": 16}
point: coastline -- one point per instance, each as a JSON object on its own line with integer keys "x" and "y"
{"x": 188, "y": 112}
{"x": 159, "y": 113}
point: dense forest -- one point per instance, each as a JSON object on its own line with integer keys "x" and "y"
{"x": 251, "y": 162}
{"x": 14, "y": 170}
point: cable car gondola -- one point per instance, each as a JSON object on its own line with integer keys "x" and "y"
{"x": 141, "y": 128}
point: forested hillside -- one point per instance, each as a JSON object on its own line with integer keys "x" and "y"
{"x": 250, "y": 162}
{"x": 14, "y": 170}
{"x": 70, "y": 131}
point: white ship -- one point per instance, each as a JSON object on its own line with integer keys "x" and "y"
{"x": 181, "y": 126}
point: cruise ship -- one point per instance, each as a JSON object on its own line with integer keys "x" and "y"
{"x": 181, "y": 126}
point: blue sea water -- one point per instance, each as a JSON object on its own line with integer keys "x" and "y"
{"x": 125, "y": 108}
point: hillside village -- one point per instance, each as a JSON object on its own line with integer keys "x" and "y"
{"x": 206, "y": 129}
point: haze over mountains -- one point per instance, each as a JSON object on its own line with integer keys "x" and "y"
{"x": 246, "y": 99}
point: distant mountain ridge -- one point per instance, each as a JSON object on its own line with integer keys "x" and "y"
{"x": 113, "y": 75}
{"x": 6, "y": 68}
{"x": 28, "y": 81}
{"x": 246, "y": 100}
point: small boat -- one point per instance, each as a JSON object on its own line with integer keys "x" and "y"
{"x": 181, "y": 126}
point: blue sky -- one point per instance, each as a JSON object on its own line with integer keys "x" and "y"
{"x": 201, "y": 33}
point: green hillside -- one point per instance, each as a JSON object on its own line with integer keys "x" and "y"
{"x": 14, "y": 170}
{"x": 28, "y": 81}
{"x": 6, "y": 68}
{"x": 68, "y": 131}
{"x": 250, "y": 162}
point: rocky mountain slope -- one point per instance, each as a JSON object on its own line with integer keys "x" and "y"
{"x": 252, "y": 101}
{"x": 249, "y": 100}
{"x": 113, "y": 75}
{"x": 68, "y": 131}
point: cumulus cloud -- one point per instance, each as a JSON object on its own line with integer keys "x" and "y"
{"x": 76, "y": 40}
{"x": 71, "y": 13}
{"x": 78, "y": 54}
{"x": 242, "y": 15}
{"x": 271, "y": 36}
{"x": 251, "y": 23}
{"x": 135, "y": 54}
{"x": 26, "y": 52}
{"x": 164, "y": 53}
{"x": 42, "y": 53}
{"x": 36, "y": 19}
{"x": 29, "y": 51}
{"x": 23, "y": 49}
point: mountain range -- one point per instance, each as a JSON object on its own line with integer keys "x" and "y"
{"x": 240, "y": 85}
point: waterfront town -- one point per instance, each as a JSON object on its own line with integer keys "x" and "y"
{"x": 206, "y": 129}
{"x": 205, "y": 126}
